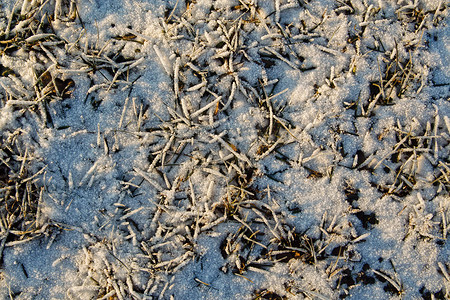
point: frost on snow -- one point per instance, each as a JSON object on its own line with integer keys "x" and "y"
{"x": 234, "y": 149}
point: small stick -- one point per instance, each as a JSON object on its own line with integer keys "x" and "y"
{"x": 278, "y": 55}
{"x": 155, "y": 184}
{"x": 444, "y": 226}
{"x": 197, "y": 86}
{"x": 15, "y": 243}
{"x": 267, "y": 223}
{"x": 270, "y": 116}
{"x": 114, "y": 79}
{"x": 25, "y": 7}
{"x": 228, "y": 147}
{"x": 98, "y": 135}
{"x": 230, "y": 98}
{"x": 191, "y": 186}
{"x": 171, "y": 13}
{"x": 139, "y": 119}
{"x": 37, "y": 37}
{"x": 161, "y": 295}
{"x": 277, "y": 11}
{"x": 197, "y": 227}
{"x": 176, "y": 115}
{"x": 271, "y": 36}
{"x": 243, "y": 223}
{"x": 391, "y": 281}
{"x": 285, "y": 127}
{"x": 116, "y": 288}
{"x": 8, "y": 26}
{"x": 108, "y": 295}
{"x": 123, "y": 112}
{"x": 129, "y": 214}
{"x": 136, "y": 63}
{"x": 447, "y": 123}
{"x": 289, "y": 5}
{"x": 444, "y": 271}
{"x": 70, "y": 183}
{"x": 361, "y": 237}
{"x": 3, "y": 243}
{"x": 164, "y": 60}
{"x": 89, "y": 173}
{"x": 210, "y": 190}
{"x": 35, "y": 175}
{"x": 166, "y": 148}
{"x": 177, "y": 268}
{"x": 328, "y": 50}
{"x": 253, "y": 241}
{"x": 172, "y": 261}
{"x": 391, "y": 152}
{"x": 436, "y": 13}
{"x": 184, "y": 108}
{"x": 436, "y": 125}
{"x": 194, "y": 68}
{"x": 57, "y": 9}
{"x": 206, "y": 107}
{"x": 270, "y": 149}
{"x": 215, "y": 223}
{"x": 175, "y": 76}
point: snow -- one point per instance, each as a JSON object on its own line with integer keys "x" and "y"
{"x": 229, "y": 149}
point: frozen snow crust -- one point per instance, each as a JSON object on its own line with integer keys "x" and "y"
{"x": 233, "y": 149}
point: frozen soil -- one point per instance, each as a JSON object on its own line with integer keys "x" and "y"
{"x": 230, "y": 149}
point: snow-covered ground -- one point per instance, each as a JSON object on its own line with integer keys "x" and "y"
{"x": 229, "y": 149}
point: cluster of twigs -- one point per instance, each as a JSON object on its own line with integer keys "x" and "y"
{"x": 30, "y": 29}
{"x": 414, "y": 148}
{"x": 21, "y": 192}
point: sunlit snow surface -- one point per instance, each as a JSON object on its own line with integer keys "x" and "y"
{"x": 224, "y": 149}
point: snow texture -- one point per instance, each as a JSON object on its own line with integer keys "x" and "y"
{"x": 229, "y": 149}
